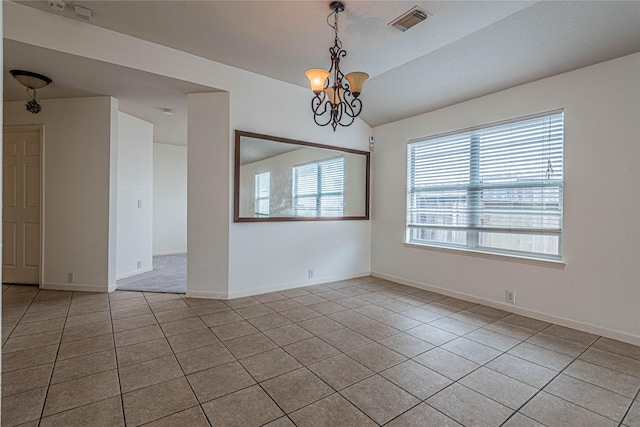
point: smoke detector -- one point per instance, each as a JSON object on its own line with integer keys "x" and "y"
{"x": 410, "y": 19}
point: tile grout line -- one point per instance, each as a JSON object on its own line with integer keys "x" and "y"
{"x": 115, "y": 351}
{"x": 55, "y": 359}
{"x": 21, "y": 316}
{"x": 173, "y": 353}
{"x": 550, "y": 381}
{"x": 258, "y": 383}
{"x": 370, "y": 376}
{"x": 635, "y": 399}
{"x": 314, "y": 374}
{"x": 285, "y": 373}
{"x": 375, "y": 373}
{"x": 372, "y": 341}
{"x": 54, "y": 362}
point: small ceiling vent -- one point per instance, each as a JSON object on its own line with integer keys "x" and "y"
{"x": 410, "y": 18}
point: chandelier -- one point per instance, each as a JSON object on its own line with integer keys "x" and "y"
{"x": 336, "y": 99}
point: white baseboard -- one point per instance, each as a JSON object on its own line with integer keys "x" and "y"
{"x": 206, "y": 294}
{"x": 77, "y": 287}
{"x": 274, "y": 288}
{"x": 169, "y": 253}
{"x": 562, "y": 321}
{"x": 299, "y": 284}
{"x": 134, "y": 273}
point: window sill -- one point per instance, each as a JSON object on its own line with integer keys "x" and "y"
{"x": 560, "y": 264}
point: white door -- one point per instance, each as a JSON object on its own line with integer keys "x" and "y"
{"x": 21, "y": 204}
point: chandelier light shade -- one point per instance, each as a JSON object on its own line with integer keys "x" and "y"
{"x": 31, "y": 81}
{"x": 317, "y": 79}
{"x": 336, "y": 99}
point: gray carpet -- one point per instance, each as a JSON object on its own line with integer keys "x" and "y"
{"x": 169, "y": 275}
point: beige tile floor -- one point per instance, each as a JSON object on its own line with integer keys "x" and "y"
{"x": 360, "y": 352}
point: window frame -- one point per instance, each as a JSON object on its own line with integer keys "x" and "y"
{"x": 473, "y": 245}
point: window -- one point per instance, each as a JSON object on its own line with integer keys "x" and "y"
{"x": 262, "y": 192}
{"x": 496, "y": 188}
{"x": 318, "y": 188}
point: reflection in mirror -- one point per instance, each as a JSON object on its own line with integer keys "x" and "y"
{"x": 278, "y": 179}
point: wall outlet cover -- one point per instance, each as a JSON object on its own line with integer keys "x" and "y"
{"x": 510, "y": 296}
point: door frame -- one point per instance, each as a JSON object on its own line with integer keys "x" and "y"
{"x": 27, "y": 128}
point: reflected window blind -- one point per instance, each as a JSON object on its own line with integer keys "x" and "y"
{"x": 318, "y": 188}
{"x": 501, "y": 179}
{"x": 262, "y": 193}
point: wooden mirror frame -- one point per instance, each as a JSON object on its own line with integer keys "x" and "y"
{"x": 236, "y": 181}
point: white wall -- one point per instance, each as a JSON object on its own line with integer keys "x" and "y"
{"x": 134, "y": 184}
{"x": 599, "y": 290}
{"x": 208, "y": 200}
{"x": 79, "y": 220}
{"x": 169, "y": 199}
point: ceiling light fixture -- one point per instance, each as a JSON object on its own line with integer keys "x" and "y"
{"x": 31, "y": 81}
{"x": 168, "y": 111}
{"x": 336, "y": 94}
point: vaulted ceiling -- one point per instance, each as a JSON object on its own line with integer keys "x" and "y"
{"x": 462, "y": 51}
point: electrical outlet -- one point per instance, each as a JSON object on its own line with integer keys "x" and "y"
{"x": 310, "y": 273}
{"x": 510, "y": 296}
{"x": 139, "y": 204}
{"x": 139, "y": 264}
{"x": 70, "y": 277}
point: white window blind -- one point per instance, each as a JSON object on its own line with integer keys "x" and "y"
{"x": 496, "y": 188}
{"x": 262, "y": 192}
{"x": 318, "y": 188}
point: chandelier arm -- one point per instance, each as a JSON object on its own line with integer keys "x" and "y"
{"x": 347, "y": 114}
{"x": 354, "y": 108}
{"x": 316, "y": 102}
{"x": 317, "y": 105}
{"x": 349, "y": 123}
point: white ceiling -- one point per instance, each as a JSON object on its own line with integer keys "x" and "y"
{"x": 141, "y": 94}
{"x": 464, "y": 50}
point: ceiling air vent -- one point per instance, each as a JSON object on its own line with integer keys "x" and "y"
{"x": 409, "y": 19}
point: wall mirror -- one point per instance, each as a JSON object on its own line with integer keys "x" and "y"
{"x": 278, "y": 179}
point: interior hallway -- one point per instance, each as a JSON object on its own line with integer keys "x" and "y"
{"x": 169, "y": 275}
